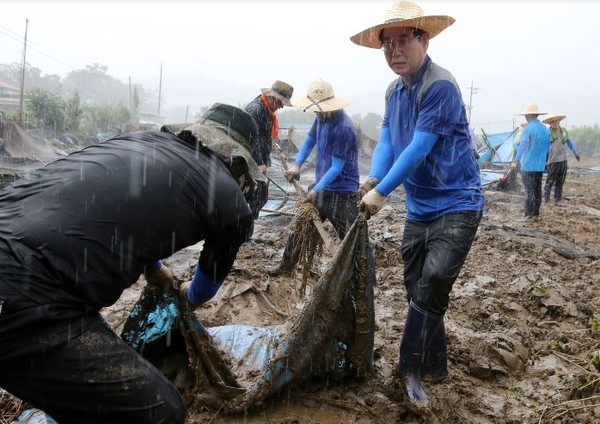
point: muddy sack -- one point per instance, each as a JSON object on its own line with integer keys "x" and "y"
{"x": 163, "y": 329}
{"x": 235, "y": 367}
{"x": 333, "y": 334}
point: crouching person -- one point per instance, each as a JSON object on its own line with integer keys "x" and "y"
{"x": 78, "y": 232}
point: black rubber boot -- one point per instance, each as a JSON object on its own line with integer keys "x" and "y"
{"x": 420, "y": 328}
{"x": 435, "y": 364}
{"x": 288, "y": 261}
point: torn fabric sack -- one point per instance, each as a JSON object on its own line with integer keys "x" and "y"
{"x": 236, "y": 367}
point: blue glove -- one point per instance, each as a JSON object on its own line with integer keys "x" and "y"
{"x": 202, "y": 288}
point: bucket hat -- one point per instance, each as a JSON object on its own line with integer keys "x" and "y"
{"x": 228, "y": 131}
{"x": 554, "y": 118}
{"x": 532, "y": 109}
{"x": 403, "y": 14}
{"x": 280, "y": 90}
{"x": 320, "y": 98}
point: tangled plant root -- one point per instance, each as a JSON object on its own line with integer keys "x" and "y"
{"x": 10, "y": 407}
{"x": 309, "y": 244}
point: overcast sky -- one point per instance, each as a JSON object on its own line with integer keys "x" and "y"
{"x": 513, "y": 52}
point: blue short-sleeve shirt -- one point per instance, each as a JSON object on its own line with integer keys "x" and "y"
{"x": 449, "y": 178}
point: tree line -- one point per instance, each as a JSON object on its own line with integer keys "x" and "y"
{"x": 84, "y": 101}
{"x": 89, "y": 100}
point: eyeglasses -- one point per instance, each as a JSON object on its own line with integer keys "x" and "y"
{"x": 389, "y": 46}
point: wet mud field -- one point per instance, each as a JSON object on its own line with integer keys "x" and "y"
{"x": 523, "y": 324}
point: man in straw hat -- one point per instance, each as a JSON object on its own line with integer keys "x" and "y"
{"x": 424, "y": 144}
{"x": 556, "y": 165}
{"x": 531, "y": 159}
{"x": 263, "y": 109}
{"x": 336, "y": 164}
{"x": 76, "y": 233}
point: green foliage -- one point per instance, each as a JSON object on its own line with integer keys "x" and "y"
{"x": 73, "y": 113}
{"x": 94, "y": 85}
{"x": 34, "y": 79}
{"x": 10, "y": 114}
{"x": 57, "y": 106}
{"x": 593, "y": 323}
{"x": 52, "y": 113}
{"x": 542, "y": 288}
{"x": 47, "y": 111}
{"x": 586, "y": 140}
{"x": 105, "y": 118}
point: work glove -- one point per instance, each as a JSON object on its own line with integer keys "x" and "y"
{"x": 577, "y": 157}
{"x": 263, "y": 169}
{"x": 371, "y": 203}
{"x": 293, "y": 173}
{"x": 162, "y": 278}
{"x": 311, "y": 197}
{"x": 367, "y": 186}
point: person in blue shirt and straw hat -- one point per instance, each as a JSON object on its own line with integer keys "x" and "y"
{"x": 335, "y": 141}
{"x": 531, "y": 154}
{"x": 424, "y": 144}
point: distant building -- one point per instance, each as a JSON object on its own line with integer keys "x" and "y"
{"x": 10, "y": 96}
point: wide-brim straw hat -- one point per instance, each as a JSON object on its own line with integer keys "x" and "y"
{"x": 554, "y": 118}
{"x": 532, "y": 109}
{"x": 280, "y": 90}
{"x": 403, "y": 14}
{"x": 320, "y": 98}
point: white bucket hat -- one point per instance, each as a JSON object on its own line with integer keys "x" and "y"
{"x": 554, "y": 118}
{"x": 403, "y": 14}
{"x": 532, "y": 109}
{"x": 320, "y": 98}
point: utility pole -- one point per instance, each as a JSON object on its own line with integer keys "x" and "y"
{"x": 130, "y": 103}
{"x": 159, "y": 88}
{"x": 21, "y": 102}
{"x": 473, "y": 90}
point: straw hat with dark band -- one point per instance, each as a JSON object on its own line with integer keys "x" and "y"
{"x": 554, "y": 118}
{"x": 320, "y": 98}
{"x": 403, "y": 14}
{"x": 280, "y": 90}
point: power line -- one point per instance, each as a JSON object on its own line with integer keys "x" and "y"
{"x": 36, "y": 47}
{"x": 56, "y": 42}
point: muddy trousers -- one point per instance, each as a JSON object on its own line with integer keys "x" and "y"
{"x": 92, "y": 378}
{"x": 556, "y": 173}
{"x": 433, "y": 253}
{"x": 532, "y": 181}
{"x": 339, "y": 207}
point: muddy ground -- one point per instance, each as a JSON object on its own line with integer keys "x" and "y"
{"x": 523, "y": 324}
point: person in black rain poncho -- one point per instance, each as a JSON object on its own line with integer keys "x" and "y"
{"x": 78, "y": 232}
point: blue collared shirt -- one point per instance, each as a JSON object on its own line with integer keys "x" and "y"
{"x": 448, "y": 180}
{"x": 336, "y": 137}
{"x": 533, "y": 147}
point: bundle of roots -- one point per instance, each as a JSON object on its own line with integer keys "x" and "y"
{"x": 10, "y": 407}
{"x": 309, "y": 243}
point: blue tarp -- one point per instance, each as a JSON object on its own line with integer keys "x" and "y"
{"x": 503, "y": 146}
